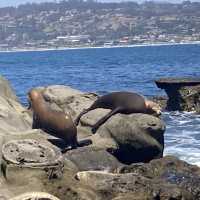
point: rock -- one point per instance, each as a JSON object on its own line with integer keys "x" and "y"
{"x": 183, "y": 93}
{"x": 23, "y": 175}
{"x": 60, "y": 94}
{"x": 30, "y": 163}
{"x": 138, "y": 137}
{"x": 117, "y": 185}
{"x": 120, "y": 133}
{"x": 171, "y": 171}
{"x": 190, "y": 98}
{"x": 27, "y": 154}
{"x": 123, "y": 135}
{"x": 6, "y": 90}
{"x": 92, "y": 158}
{"x": 13, "y": 116}
{"x": 11, "y": 119}
{"x": 68, "y": 99}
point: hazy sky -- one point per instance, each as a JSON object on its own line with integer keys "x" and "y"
{"x": 4, "y": 3}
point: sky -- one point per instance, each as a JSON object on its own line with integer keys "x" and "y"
{"x": 4, "y": 3}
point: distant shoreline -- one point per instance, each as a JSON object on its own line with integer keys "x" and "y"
{"x": 97, "y": 47}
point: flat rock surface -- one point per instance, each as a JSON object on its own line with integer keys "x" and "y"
{"x": 183, "y": 93}
{"x": 30, "y": 152}
{"x": 164, "y": 82}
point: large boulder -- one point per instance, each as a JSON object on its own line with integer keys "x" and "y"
{"x": 131, "y": 138}
{"x": 138, "y": 137}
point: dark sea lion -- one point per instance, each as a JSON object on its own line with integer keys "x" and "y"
{"x": 121, "y": 102}
{"x": 53, "y": 122}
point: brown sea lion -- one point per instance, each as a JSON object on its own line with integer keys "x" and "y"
{"x": 53, "y": 122}
{"x": 121, "y": 102}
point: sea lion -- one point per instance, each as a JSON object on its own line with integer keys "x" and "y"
{"x": 53, "y": 122}
{"x": 121, "y": 102}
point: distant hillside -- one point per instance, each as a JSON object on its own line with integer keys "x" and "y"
{"x": 78, "y": 22}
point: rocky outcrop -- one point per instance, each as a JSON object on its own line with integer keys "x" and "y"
{"x": 183, "y": 93}
{"x": 171, "y": 171}
{"x": 111, "y": 168}
{"x": 130, "y": 138}
{"x": 166, "y": 178}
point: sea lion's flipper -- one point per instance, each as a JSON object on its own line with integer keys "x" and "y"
{"x": 57, "y": 142}
{"x": 76, "y": 121}
{"x": 105, "y": 118}
{"x": 36, "y": 123}
{"x": 84, "y": 142}
{"x": 64, "y": 150}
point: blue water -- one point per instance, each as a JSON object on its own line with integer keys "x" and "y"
{"x": 104, "y": 70}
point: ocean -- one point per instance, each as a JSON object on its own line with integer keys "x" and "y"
{"x": 104, "y": 70}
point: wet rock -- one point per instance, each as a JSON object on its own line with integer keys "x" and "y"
{"x": 183, "y": 93}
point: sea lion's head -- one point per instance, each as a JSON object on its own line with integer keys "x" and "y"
{"x": 153, "y": 108}
{"x": 33, "y": 95}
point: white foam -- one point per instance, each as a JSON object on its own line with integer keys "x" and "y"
{"x": 98, "y": 47}
{"x": 181, "y": 136}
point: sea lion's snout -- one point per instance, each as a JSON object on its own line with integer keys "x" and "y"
{"x": 156, "y": 109}
{"x": 153, "y": 107}
{"x": 158, "y": 112}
